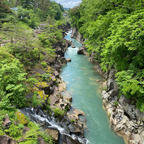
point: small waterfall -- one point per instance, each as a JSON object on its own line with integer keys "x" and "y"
{"x": 38, "y": 116}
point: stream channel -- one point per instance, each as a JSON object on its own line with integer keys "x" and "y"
{"x": 82, "y": 83}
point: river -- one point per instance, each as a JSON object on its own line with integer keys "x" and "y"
{"x": 82, "y": 84}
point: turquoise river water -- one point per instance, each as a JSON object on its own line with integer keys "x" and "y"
{"x": 82, "y": 84}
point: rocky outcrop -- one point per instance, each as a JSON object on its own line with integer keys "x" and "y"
{"x": 68, "y": 60}
{"x": 69, "y": 140}
{"x": 6, "y": 122}
{"x": 125, "y": 119}
{"x": 59, "y": 101}
{"x": 6, "y": 140}
{"x": 75, "y": 34}
{"x": 81, "y": 51}
{"x": 65, "y": 27}
{"x": 54, "y": 133}
{"x": 78, "y": 121}
{"x": 41, "y": 141}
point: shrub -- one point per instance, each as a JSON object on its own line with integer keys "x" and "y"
{"x": 58, "y": 112}
{"x": 14, "y": 131}
{"x": 21, "y": 118}
{"x": 44, "y": 64}
{"x": 13, "y": 82}
{"x": 28, "y": 16}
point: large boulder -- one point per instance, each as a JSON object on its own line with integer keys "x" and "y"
{"x": 6, "y": 122}
{"x": 68, "y": 60}
{"x": 81, "y": 51}
{"x": 74, "y": 32}
{"x": 54, "y": 133}
{"x": 69, "y": 140}
{"x": 78, "y": 122}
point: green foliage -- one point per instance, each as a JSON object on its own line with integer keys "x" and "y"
{"x": 24, "y": 50}
{"x": 13, "y": 82}
{"x": 58, "y": 112}
{"x": 21, "y": 118}
{"x": 114, "y": 37}
{"x": 22, "y": 45}
{"x": 14, "y": 131}
{"x": 43, "y": 8}
{"x": 35, "y": 101}
{"x": 28, "y": 16}
{"x": 44, "y": 64}
{"x": 46, "y": 77}
{"x": 131, "y": 87}
{"x": 16, "y": 128}
{"x": 4, "y": 9}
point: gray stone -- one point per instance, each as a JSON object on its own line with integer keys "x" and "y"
{"x": 81, "y": 51}
{"x": 6, "y": 140}
{"x": 68, "y": 60}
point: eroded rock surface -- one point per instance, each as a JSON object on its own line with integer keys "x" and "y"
{"x": 6, "y": 140}
{"x": 125, "y": 119}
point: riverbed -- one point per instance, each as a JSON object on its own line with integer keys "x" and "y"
{"x": 82, "y": 83}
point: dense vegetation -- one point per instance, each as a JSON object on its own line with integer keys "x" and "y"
{"x": 114, "y": 33}
{"x": 28, "y": 36}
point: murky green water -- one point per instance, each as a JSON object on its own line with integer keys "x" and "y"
{"x": 81, "y": 80}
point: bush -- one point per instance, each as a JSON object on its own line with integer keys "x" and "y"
{"x": 58, "y": 112}
{"x": 44, "y": 64}
{"x": 13, "y": 82}
{"x": 28, "y": 16}
{"x": 21, "y": 118}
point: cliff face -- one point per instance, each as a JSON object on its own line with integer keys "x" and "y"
{"x": 125, "y": 119}
{"x": 77, "y": 35}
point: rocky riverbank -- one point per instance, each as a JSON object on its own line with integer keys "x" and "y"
{"x": 59, "y": 115}
{"x": 125, "y": 119}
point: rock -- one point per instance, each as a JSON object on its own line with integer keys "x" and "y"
{"x": 41, "y": 141}
{"x": 105, "y": 95}
{"x": 78, "y": 122}
{"x": 26, "y": 129}
{"x": 81, "y": 51}
{"x": 113, "y": 93}
{"x": 130, "y": 111}
{"x": 112, "y": 74}
{"x": 68, "y": 60}
{"x": 74, "y": 31}
{"x": 73, "y": 46}
{"x": 6, "y": 122}
{"x": 7, "y": 140}
{"x": 54, "y": 133}
{"x": 125, "y": 119}
{"x": 56, "y": 73}
{"x": 67, "y": 97}
{"x": 142, "y": 135}
{"x": 135, "y": 139}
{"x": 74, "y": 129}
{"x": 69, "y": 43}
{"x": 79, "y": 37}
{"x": 69, "y": 140}
{"x": 48, "y": 90}
{"x": 74, "y": 114}
{"x": 110, "y": 84}
{"x": 62, "y": 87}
{"x": 139, "y": 115}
